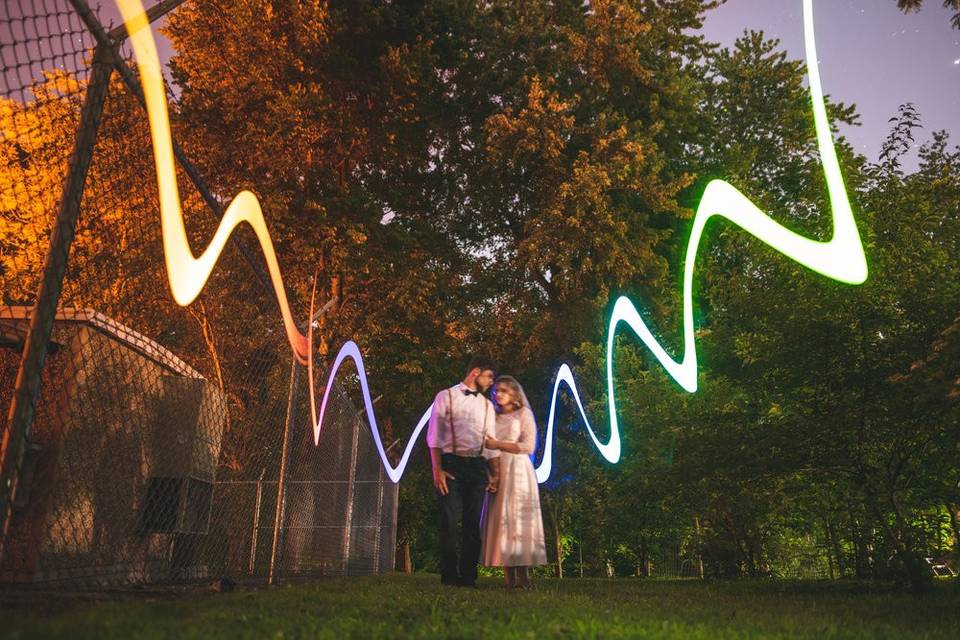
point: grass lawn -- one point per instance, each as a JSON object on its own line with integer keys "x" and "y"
{"x": 417, "y": 606}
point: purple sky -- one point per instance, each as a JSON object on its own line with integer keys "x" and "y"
{"x": 871, "y": 54}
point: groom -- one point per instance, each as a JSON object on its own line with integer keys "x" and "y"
{"x": 462, "y": 468}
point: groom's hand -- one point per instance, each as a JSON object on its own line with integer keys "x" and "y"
{"x": 492, "y": 482}
{"x": 440, "y": 481}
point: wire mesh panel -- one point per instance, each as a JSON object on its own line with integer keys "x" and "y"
{"x": 124, "y": 447}
{"x": 165, "y": 443}
{"x": 333, "y": 505}
{"x": 44, "y": 55}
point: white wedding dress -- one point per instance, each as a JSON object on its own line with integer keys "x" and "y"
{"x": 512, "y": 524}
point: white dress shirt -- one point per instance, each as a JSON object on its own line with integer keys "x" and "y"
{"x": 472, "y": 416}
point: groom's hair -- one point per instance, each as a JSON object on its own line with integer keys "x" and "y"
{"x": 480, "y": 362}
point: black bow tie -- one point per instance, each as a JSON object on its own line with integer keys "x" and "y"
{"x": 467, "y": 392}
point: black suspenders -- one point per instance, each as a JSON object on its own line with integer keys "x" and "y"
{"x": 453, "y": 431}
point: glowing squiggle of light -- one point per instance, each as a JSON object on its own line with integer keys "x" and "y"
{"x": 352, "y": 351}
{"x": 188, "y": 275}
{"x": 841, "y": 258}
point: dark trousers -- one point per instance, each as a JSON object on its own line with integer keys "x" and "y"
{"x": 464, "y": 501}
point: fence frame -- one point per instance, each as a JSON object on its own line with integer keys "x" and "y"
{"x": 15, "y": 439}
{"x": 20, "y": 417}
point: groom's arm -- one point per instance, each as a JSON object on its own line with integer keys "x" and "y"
{"x": 439, "y": 475}
{"x": 436, "y": 450}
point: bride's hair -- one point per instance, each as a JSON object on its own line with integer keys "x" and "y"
{"x": 518, "y": 395}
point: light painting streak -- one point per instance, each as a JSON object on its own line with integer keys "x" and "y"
{"x": 841, "y": 258}
{"x": 188, "y": 275}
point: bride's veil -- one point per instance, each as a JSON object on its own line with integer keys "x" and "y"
{"x": 523, "y": 397}
{"x": 518, "y": 388}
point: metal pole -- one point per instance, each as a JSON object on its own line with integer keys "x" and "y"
{"x": 20, "y": 418}
{"x": 378, "y": 538}
{"x": 395, "y": 490}
{"x": 348, "y": 525}
{"x": 158, "y": 10}
{"x": 281, "y": 482}
{"x": 256, "y": 522}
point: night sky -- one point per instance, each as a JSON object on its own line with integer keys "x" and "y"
{"x": 871, "y": 55}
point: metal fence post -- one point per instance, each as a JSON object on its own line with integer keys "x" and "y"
{"x": 256, "y": 523}
{"x": 351, "y": 479}
{"x": 378, "y": 539}
{"x": 281, "y": 481}
{"x": 133, "y": 85}
{"x": 395, "y": 490}
{"x": 20, "y": 417}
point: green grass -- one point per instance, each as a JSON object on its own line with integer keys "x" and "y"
{"x": 417, "y": 606}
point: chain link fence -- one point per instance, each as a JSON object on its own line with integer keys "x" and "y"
{"x": 146, "y": 442}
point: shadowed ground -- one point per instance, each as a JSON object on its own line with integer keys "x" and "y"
{"x": 416, "y": 606}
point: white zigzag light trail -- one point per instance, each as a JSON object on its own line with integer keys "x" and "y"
{"x": 841, "y": 258}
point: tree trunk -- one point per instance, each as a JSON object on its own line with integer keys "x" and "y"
{"x": 953, "y": 508}
{"x": 556, "y": 531}
{"x": 828, "y": 529}
{"x": 861, "y": 557}
{"x": 556, "y": 537}
{"x": 837, "y": 552}
{"x": 741, "y": 540}
{"x": 580, "y": 548}
{"x": 407, "y": 562}
{"x": 644, "y": 568}
{"x": 200, "y": 315}
{"x": 696, "y": 524}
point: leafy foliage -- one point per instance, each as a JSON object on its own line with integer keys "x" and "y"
{"x": 491, "y": 176}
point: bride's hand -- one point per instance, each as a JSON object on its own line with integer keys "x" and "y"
{"x": 491, "y": 443}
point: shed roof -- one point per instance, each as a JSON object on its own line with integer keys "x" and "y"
{"x": 15, "y": 319}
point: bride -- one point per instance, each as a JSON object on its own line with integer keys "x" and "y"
{"x": 512, "y": 524}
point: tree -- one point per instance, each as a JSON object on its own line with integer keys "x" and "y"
{"x": 329, "y": 112}
{"x": 914, "y": 5}
{"x": 492, "y": 176}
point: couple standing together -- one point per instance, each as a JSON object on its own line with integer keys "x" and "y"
{"x": 480, "y": 453}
